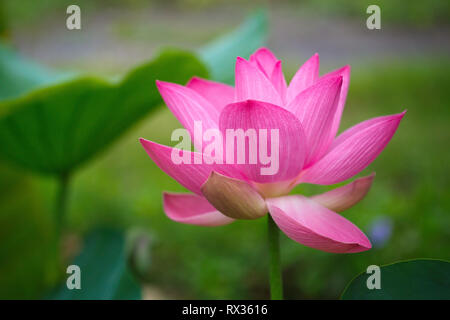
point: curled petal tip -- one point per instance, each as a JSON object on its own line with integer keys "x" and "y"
{"x": 316, "y": 57}
{"x": 191, "y": 80}
{"x": 367, "y": 245}
{"x": 142, "y": 140}
{"x": 399, "y": 116}
{"x": 162, "y": 84}
{"x": 342, "y": 70}
{"x": 347, "y": 196}
{"x": 307, "y": 222}
{"x": 263, "y": 49}
{"x": 335, "y": 79}
{"x": 167, "y": 85}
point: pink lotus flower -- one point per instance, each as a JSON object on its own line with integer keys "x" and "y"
{"x": 307, "y": 113}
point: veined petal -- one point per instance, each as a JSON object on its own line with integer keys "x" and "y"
{"x": 353, "y": 150}
{"x": 190, "y": 175}
{"x": 192, "y": 209}
{"x": 315, "y": 226}
{"x": 218, "y": 94}
{"x": 234, "y": 198}
{"x": 279, "y": 82}
{"x": 305, "y": 77}
{"x": 251, "y": 83}
{"x": 315, "y": 108}
{"x": 347, "y": 196}
{"x": 266, "y": 142}
{"x": 265, "y": 60}
{"x": 188, "y": 106}
{"x": 345, "y": 73}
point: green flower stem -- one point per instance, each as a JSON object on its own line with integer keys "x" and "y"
{"x": 276, "y": 283}
{"x": 61, "y": 202}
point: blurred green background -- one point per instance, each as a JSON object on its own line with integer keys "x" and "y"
{"x": 405, "y": 65}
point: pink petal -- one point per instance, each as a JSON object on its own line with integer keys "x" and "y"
{"x": 353, "y": 150}
{"x": 251, "y": 83}
{"x": 218, "y": 94}
{"x": 192, "y": 209}
{"x": 288, "y": 152}
{"x": 234, "y": 198}
{"x": 305, "y": 77}
{"x": 279, "y": 82}
{"x": 315, "y": 108}
{"x": 188, "y": 106}
{"x": 265, "y": 60}
{"x": 191, "y": 176}
{"x": 274, "y": 189}
{"x": 345, "y": 73}
{"x": 347, "y": 196}
{"x": 315, "y": 226}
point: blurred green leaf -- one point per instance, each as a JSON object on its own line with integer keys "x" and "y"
{"x": 220, "y": 55}
{"x": 104, "y": 271}
{"x": 55, "y": 129}
{"x": 19, "y": 75}
{"x": 418, "y": 279}
{"x": 29, "y": 259}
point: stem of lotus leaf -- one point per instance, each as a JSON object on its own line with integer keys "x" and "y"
{"x": 61, "y": 202}
{"x": 276, "y": 282}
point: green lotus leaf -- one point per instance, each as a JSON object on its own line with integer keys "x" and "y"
{"x": 104, "y": 273}
{"x": 55, "y": 129}
{"x": 419, "y": 279}
{"x": 220, "y": 55}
